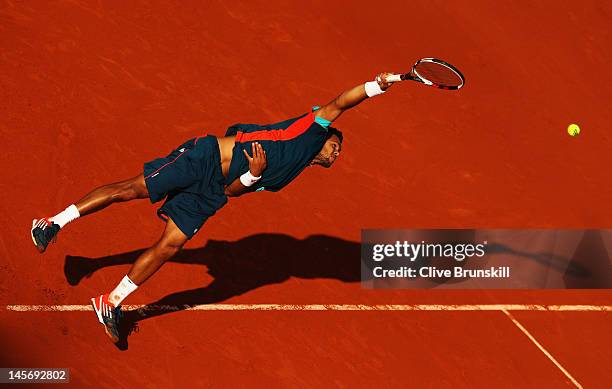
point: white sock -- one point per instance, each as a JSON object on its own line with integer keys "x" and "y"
{"x": 125, "y": 287}
{"x": 66, "y": 216}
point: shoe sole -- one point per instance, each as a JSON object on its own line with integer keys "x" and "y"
{"x": 38, "y": 247}
{"x": 110, "y": 335}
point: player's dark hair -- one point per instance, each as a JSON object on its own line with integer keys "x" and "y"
{"x": 334, "y": 131}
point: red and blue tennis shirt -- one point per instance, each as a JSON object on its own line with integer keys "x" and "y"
{"x": 290, "y": 146}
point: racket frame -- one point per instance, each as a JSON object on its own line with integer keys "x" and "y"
{"x": 415, "y": 76}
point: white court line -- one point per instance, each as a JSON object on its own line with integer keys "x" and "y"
{"x": 326, "y": 307}
{"x": 520, "y": 326}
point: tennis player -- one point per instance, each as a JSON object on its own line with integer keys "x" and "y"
{"x": 197, "y": 177}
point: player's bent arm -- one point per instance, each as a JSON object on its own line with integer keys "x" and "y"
{"x": 257, "y": 164}
{"x": 349, "y": 99}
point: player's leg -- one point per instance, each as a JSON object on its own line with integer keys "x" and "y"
{"x": 152, "y": 259}
{"x": 107, "y": 306}
{"x": 102, "y": 197}
{"x": 45, "y": 230}
{"x": 160, "y": 177}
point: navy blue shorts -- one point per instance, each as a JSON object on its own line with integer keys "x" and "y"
{"x": 191, "y": 180}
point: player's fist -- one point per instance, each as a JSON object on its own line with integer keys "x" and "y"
{"x": 381, "y": 79}
{"x": 258, "y": 162}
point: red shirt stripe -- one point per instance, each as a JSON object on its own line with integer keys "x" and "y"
{"x": 293, "y": 131}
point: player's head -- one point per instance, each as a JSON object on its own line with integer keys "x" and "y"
{"x": 331, "y": 149}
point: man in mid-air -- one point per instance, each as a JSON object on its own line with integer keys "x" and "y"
{"x": 197, "y": 177}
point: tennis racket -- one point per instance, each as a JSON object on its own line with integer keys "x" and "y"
{"x": 434, "y": 72}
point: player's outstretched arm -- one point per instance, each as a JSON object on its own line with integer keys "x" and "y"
{"x": 257, "y": 164}
{"x": 352, "y": 97}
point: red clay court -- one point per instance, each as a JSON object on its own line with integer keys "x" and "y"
{"x": 90, "y": 90}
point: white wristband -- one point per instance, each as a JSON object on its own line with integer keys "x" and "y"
{"x": 248, "y": 179}
{"x": 373, "y": 89}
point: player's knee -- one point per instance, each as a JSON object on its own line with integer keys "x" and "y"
{"x": 169, "y": 248}
{"x": 138, "y": 187}
{"x": 121, "y": 192}
{"x": 130, "y": 190}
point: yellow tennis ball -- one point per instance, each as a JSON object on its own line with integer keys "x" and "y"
{"x": 573, "y": 129}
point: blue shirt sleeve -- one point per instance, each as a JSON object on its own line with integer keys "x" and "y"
{"x": 324, "y": 122}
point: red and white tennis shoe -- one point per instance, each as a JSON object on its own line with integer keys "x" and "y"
{"x": 108, "y": 315}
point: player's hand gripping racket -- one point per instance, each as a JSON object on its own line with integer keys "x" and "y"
{"x": 434, "y": 72}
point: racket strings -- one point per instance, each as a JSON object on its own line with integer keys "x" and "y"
{"x": 438, "y": 74}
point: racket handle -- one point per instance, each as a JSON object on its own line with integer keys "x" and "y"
{"x": 394, "y": 78}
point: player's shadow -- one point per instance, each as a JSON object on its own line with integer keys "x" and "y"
{"x": 237, "y": 267}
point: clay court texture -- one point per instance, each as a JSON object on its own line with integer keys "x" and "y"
{"x": 91, "y": 90}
